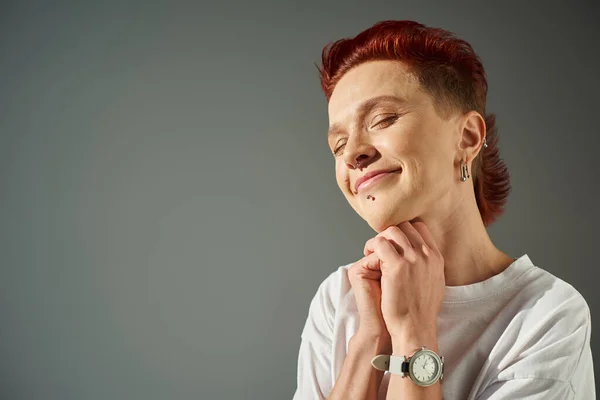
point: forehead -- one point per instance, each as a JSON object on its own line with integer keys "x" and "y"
{"x": 368, "y": 80}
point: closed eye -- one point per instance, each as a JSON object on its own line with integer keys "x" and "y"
{"x": 388, "y": 121}
{"x": 385, "y": 122}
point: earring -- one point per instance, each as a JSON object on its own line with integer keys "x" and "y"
{"x": 464, "y": 171}
{"x": 485, "y": 142}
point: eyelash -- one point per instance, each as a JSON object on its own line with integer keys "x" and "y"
{"x": 393, "y": 118}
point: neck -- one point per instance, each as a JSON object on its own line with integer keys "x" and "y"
{"x": 469, "y": 254}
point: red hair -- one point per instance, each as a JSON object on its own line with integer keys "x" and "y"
{"x": 450, "y": 70}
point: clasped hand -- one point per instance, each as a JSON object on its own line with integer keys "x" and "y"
{"x": 399, "y": 285}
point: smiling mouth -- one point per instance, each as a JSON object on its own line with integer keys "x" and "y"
{"x": 374, "y": 180}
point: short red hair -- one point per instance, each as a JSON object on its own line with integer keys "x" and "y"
{"x": 450, "y": 70}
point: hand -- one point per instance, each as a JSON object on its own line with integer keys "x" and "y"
{"x": 412, "y": 277}
{"x": 365, "y": 276}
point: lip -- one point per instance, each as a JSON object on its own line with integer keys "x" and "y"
{"x": 370, "y": 177}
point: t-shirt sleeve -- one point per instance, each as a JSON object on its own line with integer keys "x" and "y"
{"x": 551, "y": 359}
{"x": 314, "y": 376}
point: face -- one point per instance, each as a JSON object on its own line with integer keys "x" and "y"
{"x": 379, "y": 114}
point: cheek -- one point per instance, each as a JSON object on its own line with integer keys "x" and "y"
{"x": 407, "y": 139}
{"x": 423, "y": 166}
{"x": 341, "y": 176}
{"x": 419, "y": 143}
{"x": 433, "y": 170}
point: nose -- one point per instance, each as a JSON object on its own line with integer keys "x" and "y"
{"x": 358, "y": 150}
{"x": 359, "y": 157}
{"x": 358, "y": 163}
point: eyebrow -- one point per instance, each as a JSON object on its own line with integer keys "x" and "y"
{"x": 363, "y": 109}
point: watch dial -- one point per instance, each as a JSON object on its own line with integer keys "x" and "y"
{"x": 424, "y": 367}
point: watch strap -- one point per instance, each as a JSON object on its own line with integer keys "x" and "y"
{"x": 394, "y": 364}
{"x": 399, "y": 365}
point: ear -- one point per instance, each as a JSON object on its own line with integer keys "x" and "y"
{"x": 472, "y": 133}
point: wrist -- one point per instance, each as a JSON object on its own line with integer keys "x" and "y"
{"x": 381, "y": 343}
{"x": 409, "y": 339}
{"x": 373, "y": 334}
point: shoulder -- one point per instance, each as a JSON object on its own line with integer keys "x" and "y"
{"x": 333, "y": 287}
{"x": 325, "y": 303}
{"x": 549, "y": 330}
{"x": 547, "y": 297}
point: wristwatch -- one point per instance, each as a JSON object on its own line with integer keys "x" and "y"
{"x": 424, "y": 367}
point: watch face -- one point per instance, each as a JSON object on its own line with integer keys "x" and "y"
{"x": 425, "y": 367}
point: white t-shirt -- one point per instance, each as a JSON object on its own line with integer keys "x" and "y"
{"x": 523, "y": 333}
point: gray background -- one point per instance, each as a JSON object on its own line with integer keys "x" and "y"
{"x": 168, "y": 204}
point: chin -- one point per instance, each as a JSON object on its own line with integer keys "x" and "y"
{"x": 382, "y": 217}
{"x": 380, "y": 221}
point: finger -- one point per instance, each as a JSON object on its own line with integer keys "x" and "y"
{"x": 368, "y": 267}
{"x": 372, "y": 262}
{"x": 426, "y": 235}
{"x": 384, "y": 249}
{"x": 401, "y": 241}
{"x": 413, "y": 235}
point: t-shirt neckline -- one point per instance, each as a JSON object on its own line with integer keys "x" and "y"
{"x": 490, "y": 286}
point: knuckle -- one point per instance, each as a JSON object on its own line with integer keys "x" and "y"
{"x": 394, "y": 229}
{"x": 411, "y": 256}
{"x": 379, "y": 239}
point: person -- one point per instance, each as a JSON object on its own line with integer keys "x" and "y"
{"x": 434, "y": 309}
